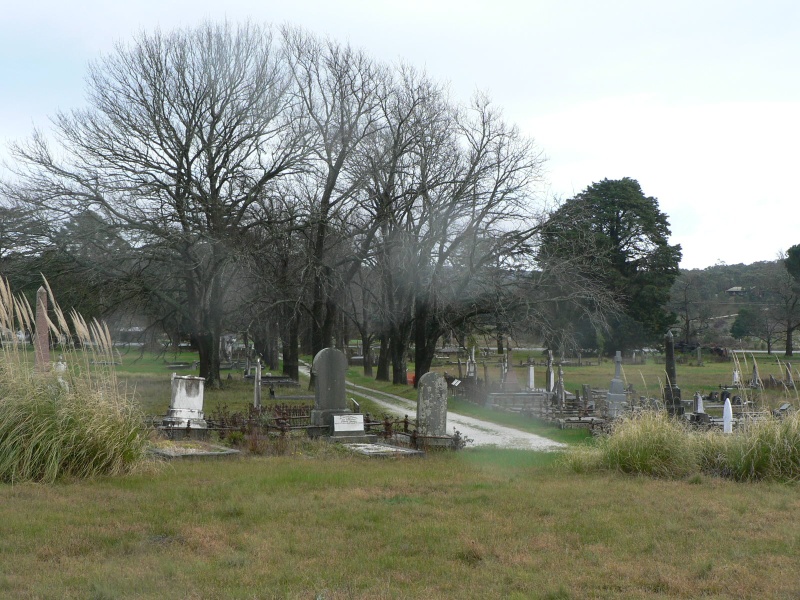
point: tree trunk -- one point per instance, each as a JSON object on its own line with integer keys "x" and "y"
{"x": 789, "y": 335}
{"x": 208, "y": 348}
{"x": 397, "y": 351}
{"x": 426, "y": 334}
{"x": 383, "y": 359}
{"x": 366, "y": 343}
{"x": 291, "y": 356}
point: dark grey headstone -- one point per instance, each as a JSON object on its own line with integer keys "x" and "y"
{"x": 330, "y": 369}
{"x": 432, "y": 404}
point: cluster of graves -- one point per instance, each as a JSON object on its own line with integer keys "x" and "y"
{"x": 333, "y": 415}
{"x": 596, "y": 408}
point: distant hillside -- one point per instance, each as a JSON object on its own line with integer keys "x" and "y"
{"x": 706, "y": 301}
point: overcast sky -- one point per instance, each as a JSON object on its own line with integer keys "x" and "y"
{"x": 697, "y": 100}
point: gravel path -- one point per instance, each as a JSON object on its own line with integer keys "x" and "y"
{"x": 482, "y": 433}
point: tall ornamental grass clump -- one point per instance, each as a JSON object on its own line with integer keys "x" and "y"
{"x": 763, "y": 449}
{"x": 78, "y": 423}
{"x": 643, "y": 443}
{"x": 651, "y": 443}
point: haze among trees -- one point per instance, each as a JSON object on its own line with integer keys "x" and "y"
{"x": 240, "y": 178}
{"x": 288, "y": 186}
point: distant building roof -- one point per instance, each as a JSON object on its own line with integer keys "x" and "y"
{"x": 735, "y": 290}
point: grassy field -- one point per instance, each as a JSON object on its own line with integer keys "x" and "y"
{"x": 474, "y": 524}
{"x": 318, "y": 522}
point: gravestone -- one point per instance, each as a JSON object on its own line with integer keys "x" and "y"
{"x": 616, "y": 399}
{"x": 789, "y": 378}
{"x": 60, "y": 369}
{"x": 550, "y": 376}
{"x": 432, "y": 404}
{"x": 672, "y": 393}
{"x": 330, "y": 397}
{"x": 727, "y": 417}
{"x": 257, "y": 386}
{"x": 755, "y": 380}
{"x": 561, "y": 393}
{"x": 698, "y": 403}
{"x": 42, "y": 342}
{"x": 530, "y": 377}
{"x": 700, "y": 356}
{"x": 737, "y": 378}
{"x": 472, "y": 366}
{"x": 186, "y": 404}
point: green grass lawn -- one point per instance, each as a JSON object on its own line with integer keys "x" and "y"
{"x": 474, "y": 524}
{"x": 318, "y": 522}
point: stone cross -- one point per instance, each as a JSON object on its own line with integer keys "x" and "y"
{"x": 42, "y": 343}
{"x": 330, "y": 396}
{"x": 432, "y": 404}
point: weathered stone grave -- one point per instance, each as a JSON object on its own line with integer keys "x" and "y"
{"x": 672, "y": 393}
{"x": 432, "y": 405}
{"x": 42, "y": 341}
{"x": 616, "y": 400}
{"x": 431, "y": 428}
{"x": 330, "y": 398}
{"x": 755, "y": 380}
{"x": 186, "y": 405}
{"x": 727, "y": 417}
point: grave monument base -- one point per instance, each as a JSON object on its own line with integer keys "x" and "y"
{"x": 323, "y": 417}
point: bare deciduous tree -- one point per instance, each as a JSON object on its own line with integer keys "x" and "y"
{"x": 183, "y": 134}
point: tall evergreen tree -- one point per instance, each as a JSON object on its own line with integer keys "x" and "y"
{"x": 628, "y": 236}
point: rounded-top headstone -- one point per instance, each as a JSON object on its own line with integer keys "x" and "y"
{"x": 330, "y": 369}
{"x": 432, "y": 404}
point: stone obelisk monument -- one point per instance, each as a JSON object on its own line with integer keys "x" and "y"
{"x": 42, "y": 343}
{"x": 672, "y": 393}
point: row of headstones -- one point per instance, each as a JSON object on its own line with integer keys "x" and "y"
{"x": 330, "y": 399}
{"x": 330, "y": 396}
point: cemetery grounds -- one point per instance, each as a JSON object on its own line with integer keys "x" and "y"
{"x": 317, "y": 522}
